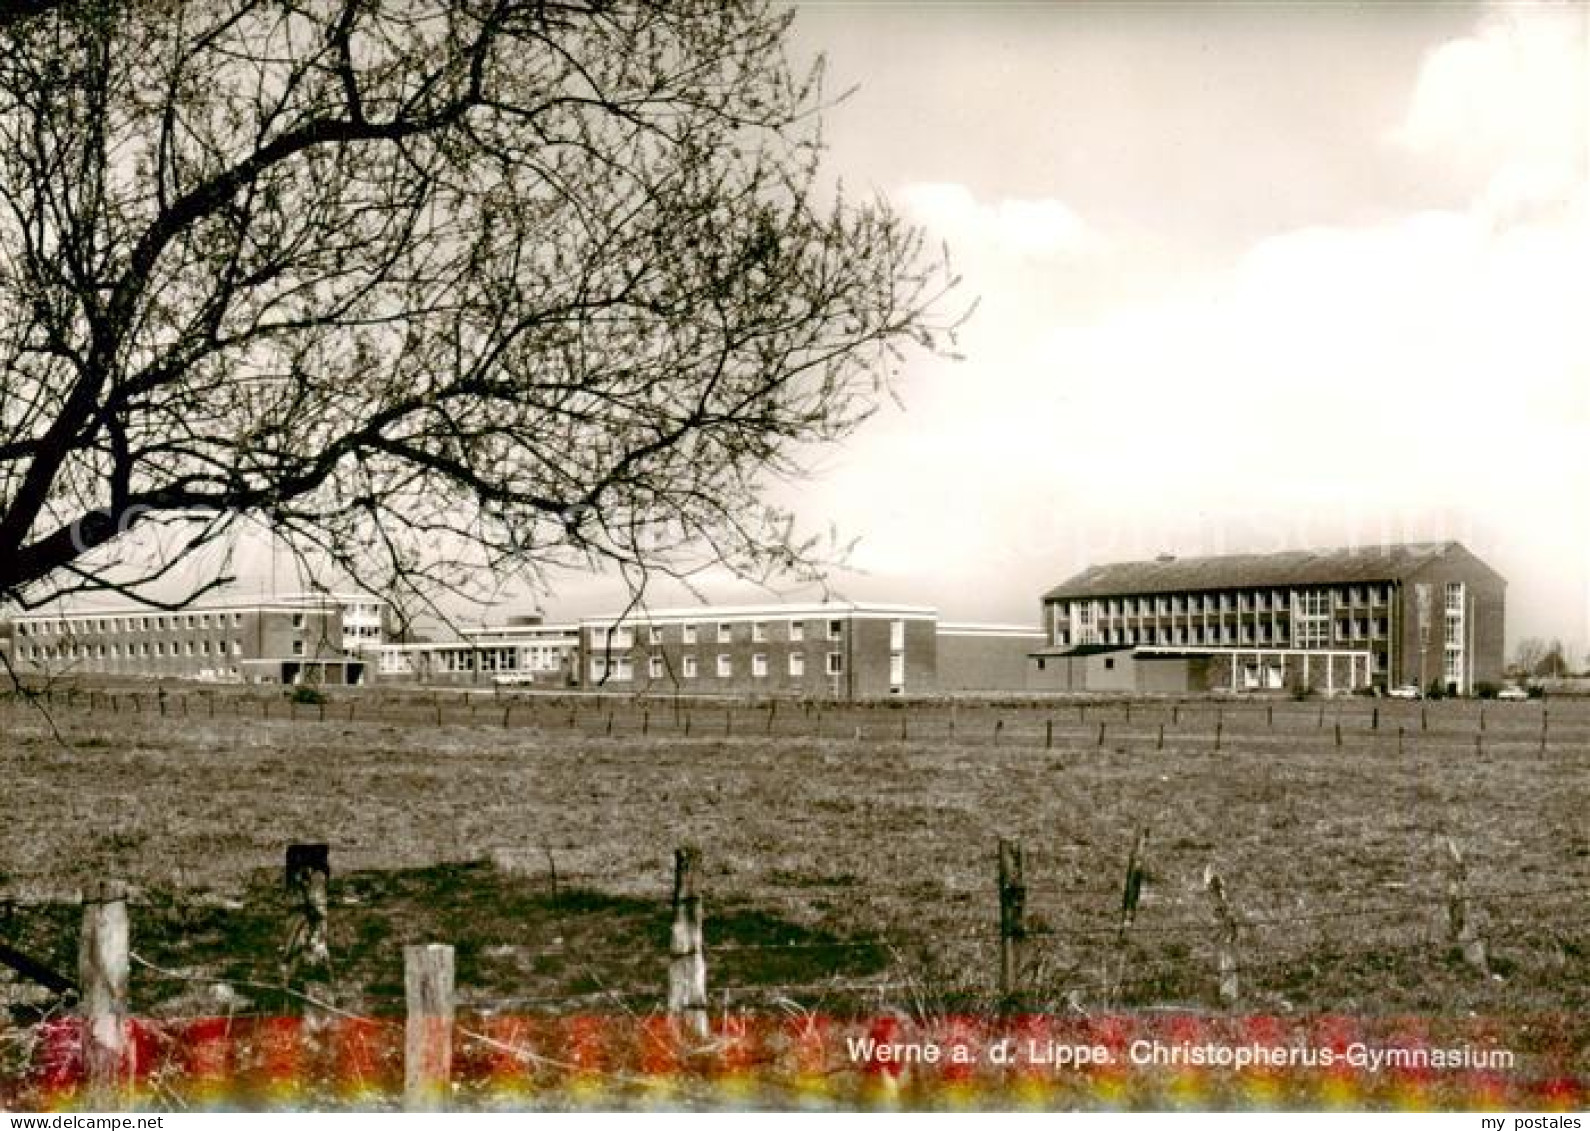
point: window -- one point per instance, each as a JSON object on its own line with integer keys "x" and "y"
{"x": 237, "y": 647}
{"x": 836, "y": 663}
{"x": 115, "y": 651}
{"x": 725, "y": 665}
{"x": 758, "y": 631}
{"x": 836, "y": 629}
{"x": 654, "y": 667}
{"x": 654, "y": 634}
{"x": 688, "y": 633}
{"x": 187, "y": 648}
{"x": 204, "y": 647}
{"x": 897, "y": 636}
{"x": 688, "y": 667}
{"x": 1454, "y": 596}
{"x": 725, "y": 632}
{"x": 759, "y": 665}
{"x": 237, "y": 618}
{"x": 797, "y": 631}
{"x": 1109, "y": 663}
{"x": 160, "y": 648}
{"x": 797, "y": 664}
{"x": 620, "y": 638}
{"x": 298, "y": 620}
{"x": 204, "y": 620}
{"x": 298, "y": 648}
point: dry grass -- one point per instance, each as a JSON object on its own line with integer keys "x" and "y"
{"x": 828, "y": 859}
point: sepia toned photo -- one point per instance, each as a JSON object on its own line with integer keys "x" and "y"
{"x": 818, "y": 557}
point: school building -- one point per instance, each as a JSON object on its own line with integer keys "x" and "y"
{"x": 1326, "y": 620}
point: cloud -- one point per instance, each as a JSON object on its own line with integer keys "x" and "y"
{"x": 1509, "y": 105}
{"x": 1012, "y": 228}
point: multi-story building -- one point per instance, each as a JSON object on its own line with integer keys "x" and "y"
{"x": 279, "y": 639}
{"x": 1329, "y": 619}
{"x": 835, "y": 649}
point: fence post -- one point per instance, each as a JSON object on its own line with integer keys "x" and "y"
{"x": 1338, "y": 735}
{"x": 1159, "y": 743}
{"x": 1461, "y": 930}
{"x": 1225, "y": 936}
{"x": 1374, "y": 719}
{"x": 1012, "y": 916}
{"x": 1101, "y": 734}
{"x": 999, "y": 729}
{"x": 428, "y": 1028}
{"x": 102, "y": 969}
{"x": 1048, "y": 734}
{"x": 1399, "y": 742}
{"x": 687, "y": 959}
{"x": 1220, "y": 726}
{"x": 306, "y": 959}
{"x": 1131, "y": 892}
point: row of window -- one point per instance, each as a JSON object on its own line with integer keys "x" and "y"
{"x": 622, "y": 668}
{"x": 139, "y": 650}
{"x": 1310, "y": 633}
{"x": 1244, "y": 601}
{"x": 794, "y": 632}
{"x": 87, "y": 626}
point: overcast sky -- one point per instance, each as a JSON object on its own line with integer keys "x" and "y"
{"x": 1250, "y": 278}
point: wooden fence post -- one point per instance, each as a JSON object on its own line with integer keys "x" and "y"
{"x": 1159, "y": 743}
{"x": 103, "y": 964}
{"x": 1048, "y": 734}
{"x": 1131, "y": 893}
{"x": 1101, "y": 735}
{"x": 1012, "y": 916}
{"x": 1374, "y": 719}
{"x": 687, "y": 959}
{"x": 1424, "y": 718}
{"x": 1461, "y": 930}
{"x": 306, "y": 959}
{"x": 1219, "y": 730}
{"x": 1225, "y": 937}
{"x": 1338, "y": 735}
{"x": 999, "y": 729}
{"x": 1399, "y": 742}
{"x": 428, "y": 1028}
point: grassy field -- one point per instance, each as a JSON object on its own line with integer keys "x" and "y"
{"x": 839, "y": 857}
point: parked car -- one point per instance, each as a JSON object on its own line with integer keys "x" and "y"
{"x": 513, "y": 679}
{"x": 1512, "y": 691}
{"x": 1406, "y": 691}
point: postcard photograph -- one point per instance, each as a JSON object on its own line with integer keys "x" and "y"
{"x": 824, "y": 557}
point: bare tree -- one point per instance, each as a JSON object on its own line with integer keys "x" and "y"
{"x": 427, "y": 287}
{"x": 1527, "y": 655}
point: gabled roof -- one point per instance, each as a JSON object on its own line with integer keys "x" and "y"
{"x": 1229, "y": 571}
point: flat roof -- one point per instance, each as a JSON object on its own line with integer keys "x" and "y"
{"x": 770, "y": 611}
